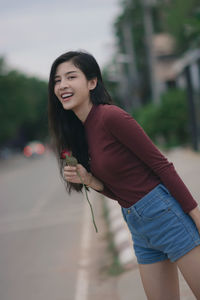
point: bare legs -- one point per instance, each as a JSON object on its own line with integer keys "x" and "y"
{"x": 189, "y": 266}
{"x": 160, "y": 280}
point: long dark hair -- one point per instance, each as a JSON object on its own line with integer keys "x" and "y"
{"x": 66, "y": 130}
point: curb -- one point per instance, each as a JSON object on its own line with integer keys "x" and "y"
{"x": 121, "y": 235}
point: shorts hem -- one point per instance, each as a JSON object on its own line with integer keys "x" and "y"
{"x": 185, "y": 251}
{"x": 151, "y": 261}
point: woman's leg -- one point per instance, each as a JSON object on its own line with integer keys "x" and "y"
{"x": 189, "y": 266}
{"x": 160, "y": 280}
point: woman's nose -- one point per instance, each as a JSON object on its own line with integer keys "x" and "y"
{"x": 64, "y": 84}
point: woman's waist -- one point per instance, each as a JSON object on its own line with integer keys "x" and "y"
{"x": 130, "y": 193}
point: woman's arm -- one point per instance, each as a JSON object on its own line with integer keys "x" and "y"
{"x": 94, "y": 183}
{"x": 127, "y": 131}
{"x": 70, "y": 174}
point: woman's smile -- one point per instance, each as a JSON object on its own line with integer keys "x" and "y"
{"x": 72, "y": 89}
{"x": 66, "y": 96}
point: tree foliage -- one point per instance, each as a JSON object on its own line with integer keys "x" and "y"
{"x": 23, "y": 102}
{"x": 133, "y": 14}
{"x": 181, "y": 18}
{"x": 167, "y": 122}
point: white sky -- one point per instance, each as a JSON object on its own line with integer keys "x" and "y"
{"x": 34, "y": 32}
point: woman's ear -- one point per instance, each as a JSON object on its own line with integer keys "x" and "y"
{"x": 92, "y": 83}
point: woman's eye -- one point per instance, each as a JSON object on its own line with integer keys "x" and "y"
{"x": 56, "y": 81}
{"x": 71, "y": 77}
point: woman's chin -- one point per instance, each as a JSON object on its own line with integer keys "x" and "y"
{"x": 67, "y": 105}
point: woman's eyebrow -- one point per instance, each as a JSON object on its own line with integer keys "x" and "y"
{"x": 67, "y": 73}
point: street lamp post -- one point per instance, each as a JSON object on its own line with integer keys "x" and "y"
{"x": 192, "y": 112}
{"x": 133, "y": 76}
{"x": 151, "y": 59}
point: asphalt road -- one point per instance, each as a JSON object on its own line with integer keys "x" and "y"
{"x": 40, "y": 231}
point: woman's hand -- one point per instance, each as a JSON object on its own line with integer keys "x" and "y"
{"x": 195, "y": 215}
{"x": 70, "y": 174}
{"x": 78, "y": 174}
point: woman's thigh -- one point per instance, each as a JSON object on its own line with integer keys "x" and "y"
{"x": 160, "y": 280}
{"x": 189, "y": 265}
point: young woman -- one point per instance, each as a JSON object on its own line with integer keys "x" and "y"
{"x": 117, "y": 159}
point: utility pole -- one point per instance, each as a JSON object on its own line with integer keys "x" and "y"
{"x": 192, "y": 110}
{"x": 133, "y": 76}
{"x": 127, "y": 61}
{"x": 148, "y": 28}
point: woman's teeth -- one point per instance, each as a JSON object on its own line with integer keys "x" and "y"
{"x": 64, "y": 96}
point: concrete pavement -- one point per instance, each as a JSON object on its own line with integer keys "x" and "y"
{"x": 40, "y": 231}
{"x": 187, "y": 164}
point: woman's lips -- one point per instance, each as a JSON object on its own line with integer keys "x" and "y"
{"x": 66, "y": 96}
{"x": 66, "y": 99}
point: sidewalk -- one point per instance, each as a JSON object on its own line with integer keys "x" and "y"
{"x": 187, "y": 164}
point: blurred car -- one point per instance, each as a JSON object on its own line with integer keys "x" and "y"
{"x": 34, "y": 148}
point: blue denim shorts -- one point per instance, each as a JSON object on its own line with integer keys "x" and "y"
{"x": 160, "y": 229}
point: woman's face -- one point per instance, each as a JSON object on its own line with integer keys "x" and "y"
{"x": 72, "y": 87}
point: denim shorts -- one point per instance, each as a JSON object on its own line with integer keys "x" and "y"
{"x": 160, "y": 229}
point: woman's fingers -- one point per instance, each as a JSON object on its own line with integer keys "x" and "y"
{"x": 73, "y": 174}
{"x": 69, "y": 168}
{"x": 70, "y": 174}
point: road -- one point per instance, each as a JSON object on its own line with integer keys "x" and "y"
{"x": 40, "y": 232}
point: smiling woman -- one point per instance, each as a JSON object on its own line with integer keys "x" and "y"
{"x": 73, "y": 89}
{"x": 118, "y": 159}
{"x": 75, "y": 84}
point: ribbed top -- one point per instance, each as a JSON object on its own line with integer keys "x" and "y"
{"x": 124, "y": 158}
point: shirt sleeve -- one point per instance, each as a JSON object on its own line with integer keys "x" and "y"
{"x": 124, "y": 128}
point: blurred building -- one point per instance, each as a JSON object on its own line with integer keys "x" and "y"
{"x": 164, "y": 51}
{"x": 170, "y": 69}
{"x": 181, "y": 72}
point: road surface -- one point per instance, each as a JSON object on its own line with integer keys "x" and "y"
{"x": 40, "y": 232}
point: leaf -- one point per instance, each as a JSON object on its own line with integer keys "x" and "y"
{"x": 71, "y": 160}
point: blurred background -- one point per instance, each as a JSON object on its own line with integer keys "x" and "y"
{"x": 149, "y": 53}
{"x": 33, "y": 35}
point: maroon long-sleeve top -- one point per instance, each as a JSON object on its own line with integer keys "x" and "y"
{"x": 124, "y": 158}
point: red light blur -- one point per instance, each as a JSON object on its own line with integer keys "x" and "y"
{"x": 40, "y": 149}
{"x": 28, "y": 151}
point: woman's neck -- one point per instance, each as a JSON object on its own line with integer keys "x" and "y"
{"x": 83, "y": 111}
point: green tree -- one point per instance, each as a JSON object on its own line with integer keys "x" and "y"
{"x": 134, "y": 13}
{"x": 181, "y": 18}
{"x": 23, "y": 102}
{"x": 166, "y": 123}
